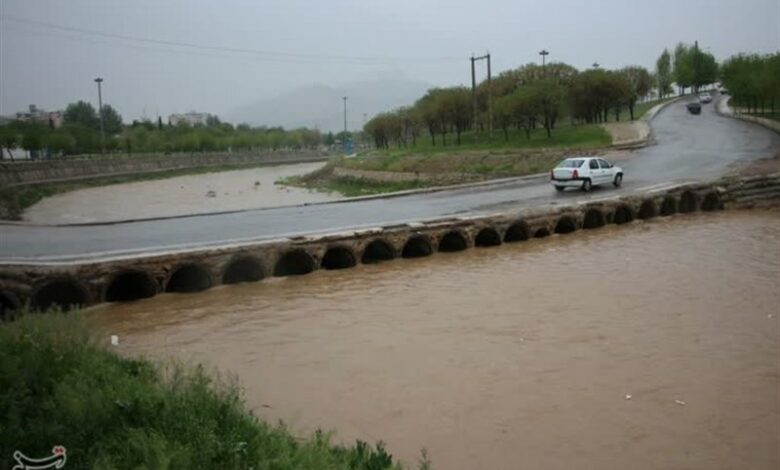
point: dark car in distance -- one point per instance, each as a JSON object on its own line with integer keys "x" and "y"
{"x": 694, "y": 108}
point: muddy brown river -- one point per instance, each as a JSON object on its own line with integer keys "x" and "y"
{"x": 650, "y": 346}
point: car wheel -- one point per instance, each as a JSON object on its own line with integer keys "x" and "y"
{"x": 559, "y": 188}
{"x": 618, "y": 180}
{"x": 587, "y": 185}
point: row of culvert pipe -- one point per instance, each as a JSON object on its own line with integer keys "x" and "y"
{"x": 43, "y": 287}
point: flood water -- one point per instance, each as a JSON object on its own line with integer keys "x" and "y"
{"x": 250, "y": 188}
{"x": 652, "y": 346}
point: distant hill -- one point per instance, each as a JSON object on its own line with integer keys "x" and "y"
{"x": 322, "y": 106}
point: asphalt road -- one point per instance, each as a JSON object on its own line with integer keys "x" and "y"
{"x": 688, "y": 148}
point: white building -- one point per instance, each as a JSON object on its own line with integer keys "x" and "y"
{"x": 192, "y": 118}
{"x": 34, "y": 114}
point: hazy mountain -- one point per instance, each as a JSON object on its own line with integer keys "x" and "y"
{"x": 322, "y": 106}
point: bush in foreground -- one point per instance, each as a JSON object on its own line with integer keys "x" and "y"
{"x": 59, "y": 386}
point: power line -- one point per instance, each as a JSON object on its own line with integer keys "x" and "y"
{"x": 266, "y": 54}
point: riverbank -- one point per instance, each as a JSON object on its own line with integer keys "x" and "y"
{"x": 63, "y": 387}
{"x": 228, "y": 190}
{"x": 15, "y": 200}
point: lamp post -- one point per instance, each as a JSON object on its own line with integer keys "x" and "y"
{"x": 544, "y": 53}
{"x": 99, "y": 81}
{"x": 345, "y": 145}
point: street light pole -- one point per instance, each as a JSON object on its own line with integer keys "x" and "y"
{"x": 544, "y": 55}
{"x": 345, "y": 116}
{"x": 100, "y": 114}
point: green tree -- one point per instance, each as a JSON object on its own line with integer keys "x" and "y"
{"x": 32, "y": 141}
{"x": 428, "y": 110}
{"x": 663, "y": 74}
{"x": 683, "y": 67}
{"x": 112, "y": 121}
{"x": 456, "y": 110}
{"x": 549, "y": 95}
{"x": 60, "y": 143}
{"x": 83, "y": 114}
{"x": 639, "y": 83}
{"x": 9, "y": 138}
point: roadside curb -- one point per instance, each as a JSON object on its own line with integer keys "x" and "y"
{"x": 645, "y": 120}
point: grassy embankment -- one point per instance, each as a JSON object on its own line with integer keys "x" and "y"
{"x": 59, "y": 386}
{"x": 14, "y": 200}
{"x": 477, "y": 158}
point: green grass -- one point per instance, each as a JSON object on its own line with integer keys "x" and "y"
{"x": 14, "y": 200}
{"x": 58, "y": 385}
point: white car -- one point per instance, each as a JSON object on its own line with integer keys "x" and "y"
{"x": 584, "y": 173}
{"x": 705, "y": 98}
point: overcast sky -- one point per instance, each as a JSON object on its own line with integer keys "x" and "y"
{"x": 51, "y": 50}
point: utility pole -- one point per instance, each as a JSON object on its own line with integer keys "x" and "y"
{"x": 490, "y": 100}
{"x": 474, "y": 97}
{"x": 99, "y": 80}
{"x": 485, "y": 57}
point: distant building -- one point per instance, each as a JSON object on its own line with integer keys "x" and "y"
{"x": 34, "y": 114}
{"x": 192, "y": 118}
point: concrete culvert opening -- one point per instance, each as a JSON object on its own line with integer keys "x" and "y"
{"x": 64, "y": 294}
{"x": 669, "y": 206}
{"x": 542, "y": 233}
{"x": 711, "y": 202}
{"x": 416, "y": 247}
{"x": 487, "y": 237}
{"x": 452, "y": 241}
{"x": 565, "y": 225}
{"x": 376, "y": 251}
{"x": 623, "y": 215}
{"x": 517, "y": 232}
{"x": 8, "y": 306}
{"x": 245, "y": 269}
{"x": 648, "y": 210}
{"x": 338, "y": 257}
{"x": 294, "y": 263}
{"x": 594, "y": 218}
{"x": 688, "y": 202}
{"x": 189, "y": 278}
{"x": 131, "y": 285}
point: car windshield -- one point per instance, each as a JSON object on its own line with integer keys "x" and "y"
{"x": 571, "y": 163}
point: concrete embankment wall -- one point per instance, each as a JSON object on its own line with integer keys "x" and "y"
{"x": 26, "y": 172}
{"x": 43, "y": 285}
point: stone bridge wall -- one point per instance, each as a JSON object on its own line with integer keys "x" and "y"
{"x": 41, "y": 286}
{"x": 39, "y": 171}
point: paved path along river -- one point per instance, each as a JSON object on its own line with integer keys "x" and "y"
{"x": 689, "y": 147}
{"x": 624, "y": 347}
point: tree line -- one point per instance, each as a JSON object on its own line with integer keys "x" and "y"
{"x": 535, "y": 97}
{"x": 80, "y": 134}
{"x": 527, "y": 98}
{"x": 753, "y": 81}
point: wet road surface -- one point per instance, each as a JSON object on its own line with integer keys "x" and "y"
{"x": 624, "y": 347}
{"x": 689, "y": 148}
